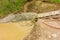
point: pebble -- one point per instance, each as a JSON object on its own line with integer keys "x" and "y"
{"x": 54, "y": 35}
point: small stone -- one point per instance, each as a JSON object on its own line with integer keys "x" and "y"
{"x": 49, "y": 36}
{"x": 39, "y": 34}
{"x": 54, "y": 35}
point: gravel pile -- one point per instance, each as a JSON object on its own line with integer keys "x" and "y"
{"x": 18, "y": 17}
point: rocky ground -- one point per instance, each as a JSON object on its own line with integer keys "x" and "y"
{"x": 40, "y": 31}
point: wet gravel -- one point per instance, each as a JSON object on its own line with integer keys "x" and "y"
{"x": 19, "y": 17}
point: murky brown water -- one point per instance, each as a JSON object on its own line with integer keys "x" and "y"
{"x": 15, "y": 31}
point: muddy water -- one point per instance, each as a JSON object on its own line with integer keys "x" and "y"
{"x": 15, "y": 31}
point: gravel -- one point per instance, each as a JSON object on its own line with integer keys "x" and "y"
{"x": 19, "y": 17}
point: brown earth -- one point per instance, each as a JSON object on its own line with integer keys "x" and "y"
{"x": 39, "y": 6}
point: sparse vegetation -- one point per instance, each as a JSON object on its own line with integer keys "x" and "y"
{"x": 56, "y": 1}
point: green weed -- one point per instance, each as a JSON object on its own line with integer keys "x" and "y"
{"x": 56, "y": 1}
{"x": 10, "y": 6}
